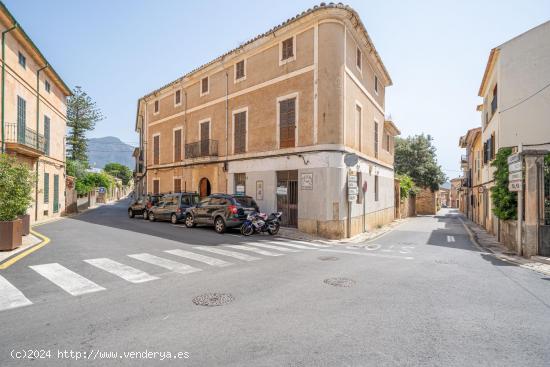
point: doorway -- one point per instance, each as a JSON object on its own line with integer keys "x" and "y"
{"x": 204, "y": 187}
{"x": 287, "y": 197}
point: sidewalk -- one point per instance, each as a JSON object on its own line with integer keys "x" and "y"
{"x": 489, "y": 243}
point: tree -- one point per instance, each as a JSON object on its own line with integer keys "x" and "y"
{"x": 82, "y": 114}
{"x": 415, "y": 156}
{"x": 16, "y": 183}
{"x": 505, "y": 203}
{"x": 119, "y": 171}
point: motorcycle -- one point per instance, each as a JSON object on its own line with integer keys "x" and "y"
{"x": 261, "y": 222}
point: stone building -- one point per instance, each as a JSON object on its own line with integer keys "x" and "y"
{"x": 274, "y": 119}
{"x": 33, "y": 121}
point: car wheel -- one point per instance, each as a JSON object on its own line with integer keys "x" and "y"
{"x": 189, "y": 222}
{"x": 174, "y": 219}
{"x": 130, "y": 213}
{"x": 151, "y": 217}
{"x": 145, "y": 215}
{"x": 219, "y": 225}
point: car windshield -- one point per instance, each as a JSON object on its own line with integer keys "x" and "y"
{"x": 190, "y": 199}
{"x": 245, "y": 201}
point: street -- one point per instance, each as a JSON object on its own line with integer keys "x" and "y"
{"x": 420, "y": 295}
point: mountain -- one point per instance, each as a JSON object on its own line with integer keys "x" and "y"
{"x": 109, "y": 149}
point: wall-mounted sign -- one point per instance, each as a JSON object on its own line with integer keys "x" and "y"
{"x": 515, "y": 176}
{"x": 281, "y": 190}
{"x": 101, "y": 190}
{"x": 515, "y": 185}
{"x": 306, "y": 181}
{"x": 353, "y": 191}
{"x": 514, "y": 158}
{"x": 515, "y": 167}
{"x": 352, "y": 186}
{"x": 259, "y": 190}
{"x": 352, "y": 198}
{"x": 239, "y": 190}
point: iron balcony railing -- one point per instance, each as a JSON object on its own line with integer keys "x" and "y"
{"x": 25, "y": 136}
{"x": 202, "y": 148}
{"x": 463, "y": 159}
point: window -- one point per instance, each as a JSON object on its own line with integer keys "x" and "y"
{"x": 376, "y": 84}
{"x": 287, "y": 123}
{"x": 494, "y": 101}
{"x": 177, "y": 145}
{"x": 240, "y": 70}
{"x": 47, "y": 86}
{"x": 493, "y": 152}
{"x": 358, "y": 127}
{"x": 387, "y": 142}
{"x": 56, "y": 193}
{"x": 358, "y": 59}
{"x": 204, "y": 86}
{"x": 156, "y": 150}
{"x": 156, "y": 106}
{"x": 156, "y": 186}
{"x": 46, "y": 188}
{"x": 21, "y": 119}
{"x": 239, "y": 120}
{"x": 46, "y": 135}
{"x": 287, "y": 49}
{"x": 376, "y": 188}
{"x": 375, "y": 139}
{"x": 177, "y": 184}
{"x": 177, "y": 98}
{"x": 22, "y": 60}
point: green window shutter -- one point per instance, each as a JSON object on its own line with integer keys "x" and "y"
{"x": 21, "y": 119}
{"x": 55, "y": 193}
{"x": 46, "y": 188}
{"x": 47, "y": 135}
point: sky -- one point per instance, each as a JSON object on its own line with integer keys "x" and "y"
{"x": 435, "y": 51}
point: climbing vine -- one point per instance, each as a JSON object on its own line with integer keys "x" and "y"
{"x": 504, "y": 202}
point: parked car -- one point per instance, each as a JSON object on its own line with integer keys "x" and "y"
{"x": 221, "y": 211}
{"x": 150, "y": 201}
{"x": 173, "y": 207}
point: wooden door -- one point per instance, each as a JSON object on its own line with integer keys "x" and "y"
{"x": 287, "y": 197}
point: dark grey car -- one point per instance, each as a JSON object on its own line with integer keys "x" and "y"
{"x": 221, "y": 211}
{"x": 173, "y": 207}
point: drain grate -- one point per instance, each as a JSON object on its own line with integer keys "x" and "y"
{"x": 327, "y": 258}
{"x": 213, "y": 299}
{"x": 340, "y": 282}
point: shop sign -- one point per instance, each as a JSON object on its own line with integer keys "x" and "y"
{"x": 282, "y": 190}
{"x": 306, "y": 182}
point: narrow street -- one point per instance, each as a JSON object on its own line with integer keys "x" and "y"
{"x": 422, "y": 294}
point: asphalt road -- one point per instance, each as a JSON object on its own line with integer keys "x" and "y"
{"x": 421, "y": 295}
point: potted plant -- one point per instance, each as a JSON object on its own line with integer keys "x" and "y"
{"x": 16, "y": 182}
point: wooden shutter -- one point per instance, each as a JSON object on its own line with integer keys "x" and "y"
{"x": 177, "y": 145}
{"x": 240, "y": 132}
{"x": 240, "y": 69}
{"x": 376, "y": 139}
{"x": 177, "y": 184}
{"x": 288, "y": 48}
{"x": 287, "y": 123}
{"x": 55, "y": 193}
{"x": 156, "y": 186}
{"x": 47, "y": 135}
{"x": 21, "y": 119}
{"x": 46, "y": 188}
{"x": 156, "y": 149}
{"x": 204, "y": 85}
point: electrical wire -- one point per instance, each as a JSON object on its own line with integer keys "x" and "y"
{"x": 526, "y": 99}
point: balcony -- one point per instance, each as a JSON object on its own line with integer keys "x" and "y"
{"x": 24, "y": 141}
{"x": 464, "y": 161}
{"x": 202, "y": 148}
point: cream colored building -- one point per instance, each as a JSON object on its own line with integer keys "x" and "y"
{"x": 34, "y": 116}
{"x": 274, "y": 119}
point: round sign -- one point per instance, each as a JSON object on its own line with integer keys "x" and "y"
{"x": 351, "y": 159}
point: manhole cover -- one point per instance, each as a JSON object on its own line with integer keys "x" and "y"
{"x": 213, "y": 299}
{"x": 340, "y": 282}
{"x": 327, "y": 258}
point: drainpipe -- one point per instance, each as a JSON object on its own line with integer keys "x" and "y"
{"x": 227, "y": 130}
{"x": 3, "y": 79}
{"x": 37, "y": 140}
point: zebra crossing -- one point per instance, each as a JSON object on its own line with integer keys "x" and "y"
{"x": 175, "y": 261}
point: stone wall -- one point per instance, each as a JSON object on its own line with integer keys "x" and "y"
{"x": 426, "y": 202}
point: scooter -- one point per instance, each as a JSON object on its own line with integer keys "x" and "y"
{"x": 261, "y": 222}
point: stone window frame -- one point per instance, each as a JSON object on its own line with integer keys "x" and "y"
{"x": 295, "y": 95}
{"x": 233, "y": 113}
{"x": 290, "y": 58}
{"x": 176, "y": 103}
{"x": 202, "y": 92}
{"x": 235, "y": 79}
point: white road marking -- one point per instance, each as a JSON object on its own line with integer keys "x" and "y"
{"x": 198, "y": 257}
{"x": 174, "y": 266}
{"x": 288, "y": 244}
{"x": 273, "y": 247}
{"x": 254, "y": 249}
{"x": 66, "y": 279}
{"x": 125, "y": 272}
{"x": 450, "y": 238}
{"x": 10, "y": 296}
{"x": 368, "y": 254}
{"x": 236, "y": 255}
{"x": 308, "y": 243}
{"x": 372, "y": 247}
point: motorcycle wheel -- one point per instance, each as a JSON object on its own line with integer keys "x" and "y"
{"x": 275, "y": 229}
{"x": 247, "y": 230}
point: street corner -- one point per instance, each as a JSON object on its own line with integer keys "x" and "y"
{"x": 30, "y": 243}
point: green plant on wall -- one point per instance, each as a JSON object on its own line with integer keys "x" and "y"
{"x": 16, "y": 183}
{"x": 406, "y": 185}
{"x": 505, "y": 203}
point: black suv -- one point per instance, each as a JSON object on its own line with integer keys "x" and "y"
{"x": 140, "y": 206}
{"x": 222, "y": 211}
{"x": 173, "y": 207}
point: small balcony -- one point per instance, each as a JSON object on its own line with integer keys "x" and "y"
{"x": 24, "y": 141}
{"x": 202, "y": 148}
{"x": 464, "y": 161}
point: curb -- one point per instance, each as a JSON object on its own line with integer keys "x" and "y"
{"x": 16, "y": 257}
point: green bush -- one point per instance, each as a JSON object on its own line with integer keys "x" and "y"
{"x": 90, "y": 181}
{"x": 406, "y": 185}
{"x": 505, "y": 203}
{"x": 16, "y": 183}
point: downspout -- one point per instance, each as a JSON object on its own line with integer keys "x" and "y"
{"x": 185, "y": 130}
{"x": 226, "y": 164}
{"x": 3, "y": 79}
{"x": 37, "y": 140}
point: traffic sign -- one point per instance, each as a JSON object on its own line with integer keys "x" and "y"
{"x": 515, "y": 176}
{"x": 515, "y": 185}
{"x": 353, "y": 191}
{"x": 351, "y": 159}
{"x": 352, "y": 198}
